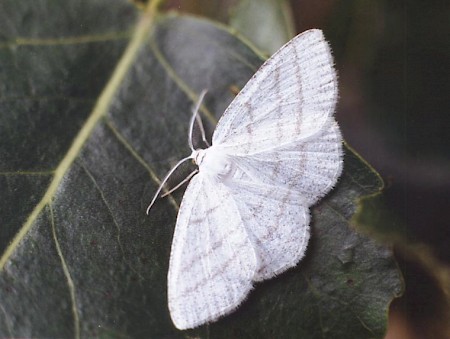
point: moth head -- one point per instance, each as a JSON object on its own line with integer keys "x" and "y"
{"x": 198, "y": 155}
{"x": 215, "y": 163}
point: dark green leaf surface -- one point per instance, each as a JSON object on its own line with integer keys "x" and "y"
{"x": 92, "y": 263}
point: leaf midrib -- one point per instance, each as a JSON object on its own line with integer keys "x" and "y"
{"x": 143, "y": 28}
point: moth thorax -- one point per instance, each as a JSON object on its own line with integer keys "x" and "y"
{"x": 214, "y": 163}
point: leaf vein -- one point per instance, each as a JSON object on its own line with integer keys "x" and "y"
{"x": 181, "y": 84}
{"x": 140, "y": 35}
{"x": 107, "y": 205}
{"x": 139, "y": 158}
{"x": 86, "y": 39}
{"x": 67, "y": 274}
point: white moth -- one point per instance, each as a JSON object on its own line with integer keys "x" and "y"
{"x": 245, "y": 215}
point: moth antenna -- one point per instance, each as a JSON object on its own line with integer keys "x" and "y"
{"x": 181, "y": 183}
{"x": 165, "y": 179}
{"x": 191, "y": 146}
{"x": 194, "y": 118}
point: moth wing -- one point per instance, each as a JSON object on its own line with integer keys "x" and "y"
{"x": 212, "y": 262}
{"x": 277, "y": 221}
{"x": 291, "y": 97}
{"x": 309, "y": 167}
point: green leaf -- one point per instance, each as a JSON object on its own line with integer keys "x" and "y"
{"x": 267, "y": 23}
{"x": 92, "y": 116}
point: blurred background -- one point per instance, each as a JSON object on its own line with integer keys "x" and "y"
{"x": 393, "y": 61}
